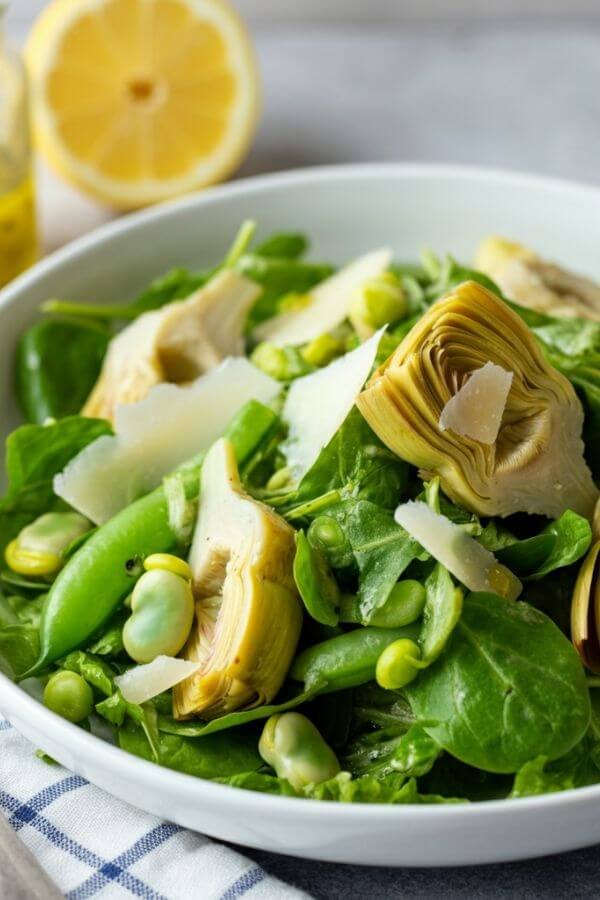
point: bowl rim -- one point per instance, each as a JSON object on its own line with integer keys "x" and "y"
{"x": 100, "y": 752}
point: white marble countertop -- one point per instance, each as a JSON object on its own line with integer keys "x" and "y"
{"x": 515, "y": 92}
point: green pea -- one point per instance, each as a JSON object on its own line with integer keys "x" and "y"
{"x": 292, "y": 746}
{"x": 399, "y": 664}
{"x": 69, "y": 695}
{"x": 162, "y": 613}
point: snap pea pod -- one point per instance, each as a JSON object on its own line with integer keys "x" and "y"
{"x": 346, "y": 660}
{"x": 102, "y": 572}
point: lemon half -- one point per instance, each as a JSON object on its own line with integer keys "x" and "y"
{"x": 136, "y": 101}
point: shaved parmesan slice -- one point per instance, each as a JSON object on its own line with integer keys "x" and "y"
{"x": 317, "y": 404}
{"x": 168, "y": 427}
{"x": 330, "y": 301}
{"x": 476, "y": 410}
{"x": 463, "y": 556}
{"x": 145, "y": 682}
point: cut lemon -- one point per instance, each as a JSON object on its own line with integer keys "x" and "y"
{"x": 136, "y": 101}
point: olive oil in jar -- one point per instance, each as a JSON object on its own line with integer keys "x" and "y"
{"x": 18, "y": 239}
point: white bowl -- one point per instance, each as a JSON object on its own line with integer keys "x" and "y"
{"x": 345, "y": 211}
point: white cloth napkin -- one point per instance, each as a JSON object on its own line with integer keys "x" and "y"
{"x": 93, "y": 845}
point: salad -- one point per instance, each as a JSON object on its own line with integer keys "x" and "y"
{"x": 323, "y": 533}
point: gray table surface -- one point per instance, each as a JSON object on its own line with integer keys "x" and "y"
{"x": 517, "y": 93}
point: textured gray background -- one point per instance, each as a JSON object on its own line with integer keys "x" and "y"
{"x": 515, "y": 86}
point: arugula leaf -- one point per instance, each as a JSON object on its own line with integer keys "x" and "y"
{"x": 353, "y": 464}
{"x": 57, "y": 364}
{"x": 215, "y": 756}
{"x": 278, "y": 276}
{"x": 496, "y": 699}
{"x": 34, "y": 455}
{"x": 382, "y": 549}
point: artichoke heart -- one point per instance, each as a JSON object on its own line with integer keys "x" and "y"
{"x": 176, "y": 343}
{"x": 536, "y": 283}
{"x": 585, "y": 610}
{"x": 536, "y": 463}
{"x": 248, "y": 613}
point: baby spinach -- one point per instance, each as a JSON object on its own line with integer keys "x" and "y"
{"x": 508, "y": 688}
{"x": 168, "y": 725}
{"x": 19, "y": 648}
{"x": 34, "y": 455}
{"x": 285, "y": 245}
{"x": 411, "y": 753}
{"x": 560, "y": 544}
{"x": 57, "y": 364}
{"x": 316, "y": 585}
{"x": 216, "y": 756}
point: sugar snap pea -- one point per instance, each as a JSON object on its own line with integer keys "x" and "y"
{"x": 346, "y": 660}
{"x": 102, "y": 572}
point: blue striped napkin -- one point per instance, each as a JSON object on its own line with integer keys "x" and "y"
{"x": 93, "y": 845}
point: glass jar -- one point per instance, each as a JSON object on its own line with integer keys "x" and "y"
{"x": 18, "y": 239}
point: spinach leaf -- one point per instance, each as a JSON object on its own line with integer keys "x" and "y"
{"x": 168, "y": 725}
{"x": 443, "y": 607}
{"x": 34, "y": 455}
{"x": 19, "y": 648}
{"x": 57, "y": 364}
{"x": 379, "y": 708}
{"x": 316, "y": 585}
{"x": 411, "y": 753}
{"x": 216, "y": 756}
{"x": 283, "y": 246}
{"x": 509, "y": 687}
{"x": 560, "y": 544}
{"x": 98, "y": 673}
{"x": 450, "y": 776}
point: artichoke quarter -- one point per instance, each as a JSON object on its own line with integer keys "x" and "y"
{"x": 248, "y": 612}
{"x": 536, "y": 283}
{"x": 536, "y": 463}
{"x": 176, "y": 343}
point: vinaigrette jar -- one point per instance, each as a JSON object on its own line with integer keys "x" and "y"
{"x": 18, "y": 239}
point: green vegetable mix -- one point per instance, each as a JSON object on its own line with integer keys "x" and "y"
{"x": 337, "y": 655}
